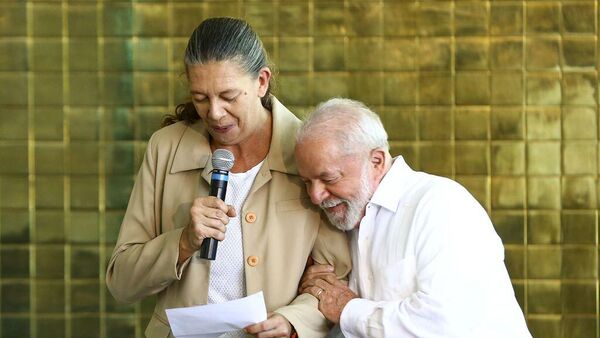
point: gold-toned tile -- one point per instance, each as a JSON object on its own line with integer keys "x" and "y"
{"x": 47, "y": 54}
{"x": 150, "y": 88}
{"x": 186, "y": 17}
{"x": 436, "y": 158}
{"x": 543, "y": 192}
{"x": 544, "y": 296}
{"x": 471, "y": 123}
{"x": 14, "y": 191}
{"x": 50, "y": 224}
{"x": 329, "y": 19}
{"x": 16, "y": 299}
{"x": 48, "y": 89}
{"x": 329, "y": 54}
{"x": 579, "y": 262}
{"x": 150, "y": 54}
{"x": 579, "y": 326}
{"x": 435, "y": 88}
{"x": 579, "y": 297}
{"x": 407, "y": 151}
{"x": 118, "y": 54}
{"x": 543, "y": 227}
{"x": 579, "y": 192}
{"x": 580, "y": 157}
{"x": 435, "y": 19}
{"x": 543, "y": 261}
{"x": 119, "y": 158}
{"x": 50, "y": 262}
{"x": 435, "y": 123}
{"x": 364, "y": 18}
{"x": 14, "y": 124}
{"x": 145, "y": 17}
{"x": 579, "y": 123}
{"x": 118, "y": 189}
{"x": 400, "y": 19}
{"x": 83, "y": 157}
{"x": 260, "y": 16}
{"x": 14, "y": 158}
{"x": 507, "y": 88}
{"x": 84, "y": 227}
{"x": 543, "y": 123}
{"x": 327, "y": 86}
{"x": 13, "y": 16}
{"x": 87, "y": 84}
{"x": 579, "y": 52}
{"x": 545, "y": 326}
{"x": 118, "y": 89}
{"x": 294, "y": 19}
{"x": 578, "y": 17}
{"x": 294, "y": 54}
{"x": 506, "y": 18}
{"x": 47, "y": 19}
{"x": 399, "y": 54}
{"x": 52, "y": 327}
{"x": 508, "y": 158}
{"x": 514, "y": 258}
{"x": 48, "y": 124}
{"x": 472, "y": 54}
{"x": 400, "y": 89}
{"x": 434, "y": 54}
{"x": 13, "y": 55}
{"x": 49, "y": 158}
{"x": 478, "y": 186}
{"x": 147, "y": 121}
{"x": 52, "y": 298}
{"x": 543, "y": 158}
{"x": 542, "y": 17}
{"x": 579, "y": 227}
{"x": 510, "y": 226}
{"x": 471, "y": 18}
{"x": 15, "y": 226}
{"x": 542, "y": 53}
{"x": 49, "y": 192}
{"x": 223, "y": 8}
{"x": 364, "y": 54}
{"x": 118, "y": 19}
{"x": 400, "y": 123}
{"x": 82, "y": 19}
{"x": 580, "y": 88}
{"x": 84, "y": 124}
{"x": 83, "y": 54}
{"x": 14, "y": 89}
{"x": 508, "y": 192}
{"x": 367, "y": 87}
{"x": 507, "y": 123}
{"x": 472, "y": 158}
{"x": 506, "y": 53}
{"x": 293, "y": 89}
{"x": 473, "y": 88}
{"x": 84, "y": 191}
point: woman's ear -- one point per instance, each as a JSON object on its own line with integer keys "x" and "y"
{"x": 264, "y": 75}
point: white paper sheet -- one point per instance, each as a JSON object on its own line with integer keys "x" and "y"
{"x": 212, "y": 320}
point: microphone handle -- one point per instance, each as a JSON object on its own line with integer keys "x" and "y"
{"x": 218, "y": 188}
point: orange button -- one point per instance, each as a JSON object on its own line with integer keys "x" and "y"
{"x": 252, "y": 260}
{"x": 250, "y": 217}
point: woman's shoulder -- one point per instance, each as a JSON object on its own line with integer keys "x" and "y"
{"x": 170, "y": 133}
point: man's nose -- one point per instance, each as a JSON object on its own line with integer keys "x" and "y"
{"x": 317, "y": 193}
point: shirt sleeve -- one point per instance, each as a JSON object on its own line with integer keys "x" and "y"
{"x": 144, "y": 261}
{"x": 460, "y": 276}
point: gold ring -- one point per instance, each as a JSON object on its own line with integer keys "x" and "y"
{"x": 319, "y": 294}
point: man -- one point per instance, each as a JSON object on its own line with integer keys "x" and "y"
{"x": 426, "y": 261}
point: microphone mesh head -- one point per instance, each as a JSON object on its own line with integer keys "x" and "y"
{"x": 222, "y": 159}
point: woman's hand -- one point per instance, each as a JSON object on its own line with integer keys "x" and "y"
{"x": 208, "y": 218}
{"x": 275, "y": 326}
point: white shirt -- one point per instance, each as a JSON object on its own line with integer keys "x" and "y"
{"x": 427, "y": 262}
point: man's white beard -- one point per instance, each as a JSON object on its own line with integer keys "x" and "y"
{"x": 348, "y": 220}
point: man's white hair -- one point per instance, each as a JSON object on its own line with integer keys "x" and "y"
{"x": 352, "y": 124}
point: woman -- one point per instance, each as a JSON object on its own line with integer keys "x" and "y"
{"x": 267, "y": 228}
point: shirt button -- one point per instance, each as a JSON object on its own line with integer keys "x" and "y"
{"x": 250, "y": 217}
{"x": 252, "y": 260}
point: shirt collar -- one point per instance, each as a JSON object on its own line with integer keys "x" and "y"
{"x": 193, "y": 150}
{"x": 392, "y": 188}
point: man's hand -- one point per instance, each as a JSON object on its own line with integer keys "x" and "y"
{"x": 275, "y": 326}
{"x": 208, "y": 217}
{"x": 333, "y": 295}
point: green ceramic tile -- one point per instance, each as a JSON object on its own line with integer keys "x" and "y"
{"x": 50, "y": 226}
{"x": 367, "y": 87}
{"x": 435, "y": 124}
{"x": 544, "y": 296}
{"x": 48, "y": 89}
{"x": 13, "y": 55}
{"x": 13, "y": 124}
{"x": 544, "y": 227}
{"x": 543, "y": 261}
{"x": 580, "y": 262}
{"x": 150, "y": 54}
{"x": 436, "y": 158}
{"x": 472, "y": 158}
{"x": 87, "y": 92}
{"x": 579, "y": 297}
{"x": 49, "y": 191}
{"x": 120, "y": 327}
{"x": 83, "y": 55}
{"x": 294, "y": 19}
{"x": 545, "y": 326}
{"x": 48, "y": 124}
{"x": 400, "y": 89}
{"x": 543, "y": 158}
{"x": 150, "y": 89}
{"x": 14, "y": 91}
{"x": 47, "y": 54}
{"x": 364, "y": 18}
{"x": 471, "y": 18}
{"x": 14, "y": 191}
{"x": 580, "y": 88}
{"x": 145, "y": 17}
{"x": 294, "y": 54}
{"x": 113, "y": 219}
{"x": 119, "y": 158}
{"x": 364, "y": 54}
{"x": 15, "y": 297}
{"x": 118, "y": 89}
{"x": 14, "y": 262}
{"x": 85, "y": 297}
{"x": 514, "y": 259}
{"x": 14, "y": 14}
{"x": 14, "y": 158}
{"x": 50, "y": 297}
{"x": 118, "y": 189}
{"x": 120, "y": 124}
{"x": 51, "y": 327}
{"x": 82, "y": 19}
{"x": 329, "y": 54}
{"x": 508, "y": 158}
{"x": 400, "y": 19}
{"x": 49, "y": 158}
{"x": 147, "y": 122}
{"x": 83, "y": 158}
{"x": 117, "y": 19}
{"x": 580, "y": 326}
{"x": 222, "y": 8}
{"x": 47, "y": 19}
{"x": 543, "y": 192}
{"x": 400, "y": 123}
{"x": 15, "y": 327}
{"x": 50, "y": 263}
{"x": 85, "y": 264}
{"x": 14, "y": 226}
{"x": 84, "y": 192}
{"x": 579, "y": 227}
{"x": 508, "y": 192}
{"x": 84, "y": 227}
{"x": 186, "y": 17}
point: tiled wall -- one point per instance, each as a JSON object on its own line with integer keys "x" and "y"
{"x": 500, "y": 95}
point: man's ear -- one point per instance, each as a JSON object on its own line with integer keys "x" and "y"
{"x": 264, "y": 75}
{"x": 378, "y": 160}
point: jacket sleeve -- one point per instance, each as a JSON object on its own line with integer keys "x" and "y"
{"x": 144, "y": 261}
{"x": 331, "y": 247}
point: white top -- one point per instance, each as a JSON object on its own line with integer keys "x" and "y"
{"x": 227, "y": 279}
{"x": 427, "y": 262}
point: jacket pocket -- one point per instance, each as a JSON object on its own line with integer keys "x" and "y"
{"x": 157, "y": 328}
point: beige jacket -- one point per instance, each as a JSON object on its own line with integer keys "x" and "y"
{"x": 284, "y": 229}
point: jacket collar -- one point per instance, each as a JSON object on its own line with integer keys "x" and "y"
{"x": 394, "y": 185}
{"x": 193, "y": 151}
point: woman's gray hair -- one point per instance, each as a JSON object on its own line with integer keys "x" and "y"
{"x": 352, "y": 124}
{"x": 227, "y": 39}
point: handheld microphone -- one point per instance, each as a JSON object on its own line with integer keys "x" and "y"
{"x": 222, "y": 162}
